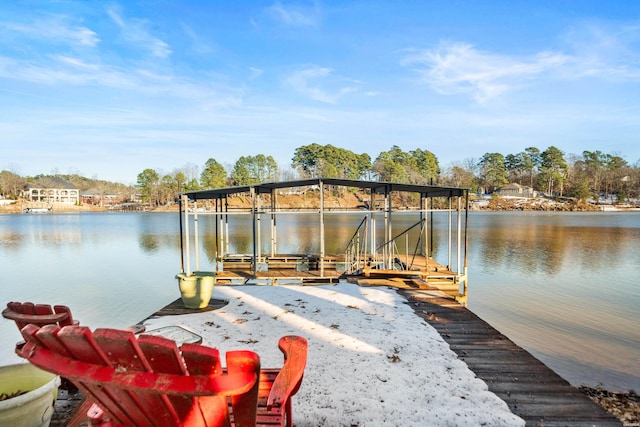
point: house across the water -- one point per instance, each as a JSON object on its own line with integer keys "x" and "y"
{"x": 516, "y": 190}
{"x": 51, "y": 189}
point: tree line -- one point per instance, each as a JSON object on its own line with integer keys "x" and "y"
{"x": 592, "y": 174}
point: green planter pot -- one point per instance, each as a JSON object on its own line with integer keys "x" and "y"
{"x": 196, "y": 288}
{"x": 31, "y": 409}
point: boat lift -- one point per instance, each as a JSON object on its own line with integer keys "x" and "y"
{"x": 366, "y": 251}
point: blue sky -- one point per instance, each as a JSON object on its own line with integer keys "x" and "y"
{"x": 108, "y": 89}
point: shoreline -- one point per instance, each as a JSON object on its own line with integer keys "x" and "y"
{"x": 503, "y": 204}
{"x": 623, "y": 405}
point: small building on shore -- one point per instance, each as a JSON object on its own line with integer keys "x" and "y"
{"x": 516, "y": 190}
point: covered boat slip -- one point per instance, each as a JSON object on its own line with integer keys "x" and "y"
{"x": 375, "y": 251}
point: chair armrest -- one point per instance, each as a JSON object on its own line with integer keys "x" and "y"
{"x": 36, "y": 319}
{"x": 290, "y": 376}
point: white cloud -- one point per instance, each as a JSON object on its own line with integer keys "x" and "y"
{"x": 135, "y": 31}
{"x": 199, "y": 45}
{"x": 592, "y": 51}
{"x": 56, "y": 29}
{"x": 159, "y": 48}
{"x": 70, "y": 71}
{"x": 458, "y": 68}
{"x": 300, "y": 81}
{"x": 76, "y": 62}
{"x": 305, "y": 81}
{"x": 255, "y": 73}
{"x": 608, "y": 53}
{"x": 298, "y": 15}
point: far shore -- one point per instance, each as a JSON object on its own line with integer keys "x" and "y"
{"x": 349, "y": 202}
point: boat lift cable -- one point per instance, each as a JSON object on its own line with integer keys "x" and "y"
{"x": 393, "y": 240}
{"x": 400, "y": 234}
{"x": 355, "y": 234}
{"x": 350, "y": 256}
{"x": 415, "y": 251}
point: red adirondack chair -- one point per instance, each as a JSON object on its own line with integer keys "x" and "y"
{"x": 27, "y": 313}
{"x": 277, "y": 386}
{"x": 148, "y": 381}
{"x": 38, "y": 314}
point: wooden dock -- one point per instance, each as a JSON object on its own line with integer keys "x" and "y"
{"x": 531, "y": 389}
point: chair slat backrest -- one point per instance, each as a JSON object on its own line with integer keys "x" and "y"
{"x": 197, "y": 357}
{"x": 148, "y": 381}
{"x": 123, "y": 353}
{"x": 37, "y": 314}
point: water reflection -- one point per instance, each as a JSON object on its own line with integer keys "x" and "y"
{"x": 562, "y": 286}
{"x": 149, "y": 243}
{"x": 530, "y": 249}
{"x": 548, "y": 248}
{"x": 300, "y": 233}
{"x": 11, "y": 241}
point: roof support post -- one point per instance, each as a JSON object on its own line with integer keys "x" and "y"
{"x": 387, "y": 227}
{"x": 180, "y": 207}
{"x": 449, "y": 244}
{"x": 321, "y": 184}
{"x": 259, "y": 225}
{"x": 459, "y": 237}
{"x": 372, "y": 224}
{"x": 252, "y": 191}
{"x": 195, "y": 234}
{"x": 424, "y": 205}
{"x": 185, "y": 203}
{"x": 466, "y": 239}
{"x": 218, "y": 230}
{"x": 274, "y": 231}
{"x": 220, "y": 234}
{"x": 226, "y": 225}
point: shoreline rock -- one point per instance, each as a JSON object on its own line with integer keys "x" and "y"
{"x": 623, "y": 405}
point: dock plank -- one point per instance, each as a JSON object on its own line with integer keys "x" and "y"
{"x": 531, "y": 389}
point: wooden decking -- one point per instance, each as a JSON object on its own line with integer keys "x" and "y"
{"x": 531, "y": 389}
{"x": 292, "y": 268}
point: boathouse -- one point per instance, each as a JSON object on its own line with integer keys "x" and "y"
{"x": 375, "y": 249}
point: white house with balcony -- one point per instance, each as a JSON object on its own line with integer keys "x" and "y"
{"x": 51, "y": 189}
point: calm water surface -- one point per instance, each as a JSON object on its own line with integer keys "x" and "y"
{"x": 564, "y": 286}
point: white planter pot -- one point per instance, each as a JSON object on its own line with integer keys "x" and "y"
{"x": 196, "y": 288}
{"x": 31, "y": 409}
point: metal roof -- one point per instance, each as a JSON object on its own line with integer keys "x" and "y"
{"x": 377, "y": 187}
{"x": 50, "y": 182}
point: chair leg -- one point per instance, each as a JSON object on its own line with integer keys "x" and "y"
{"x": 80, "y": 414}
{"x": 288, "y": 419}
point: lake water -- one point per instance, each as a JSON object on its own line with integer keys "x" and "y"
{"x": 562, "y": 285}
